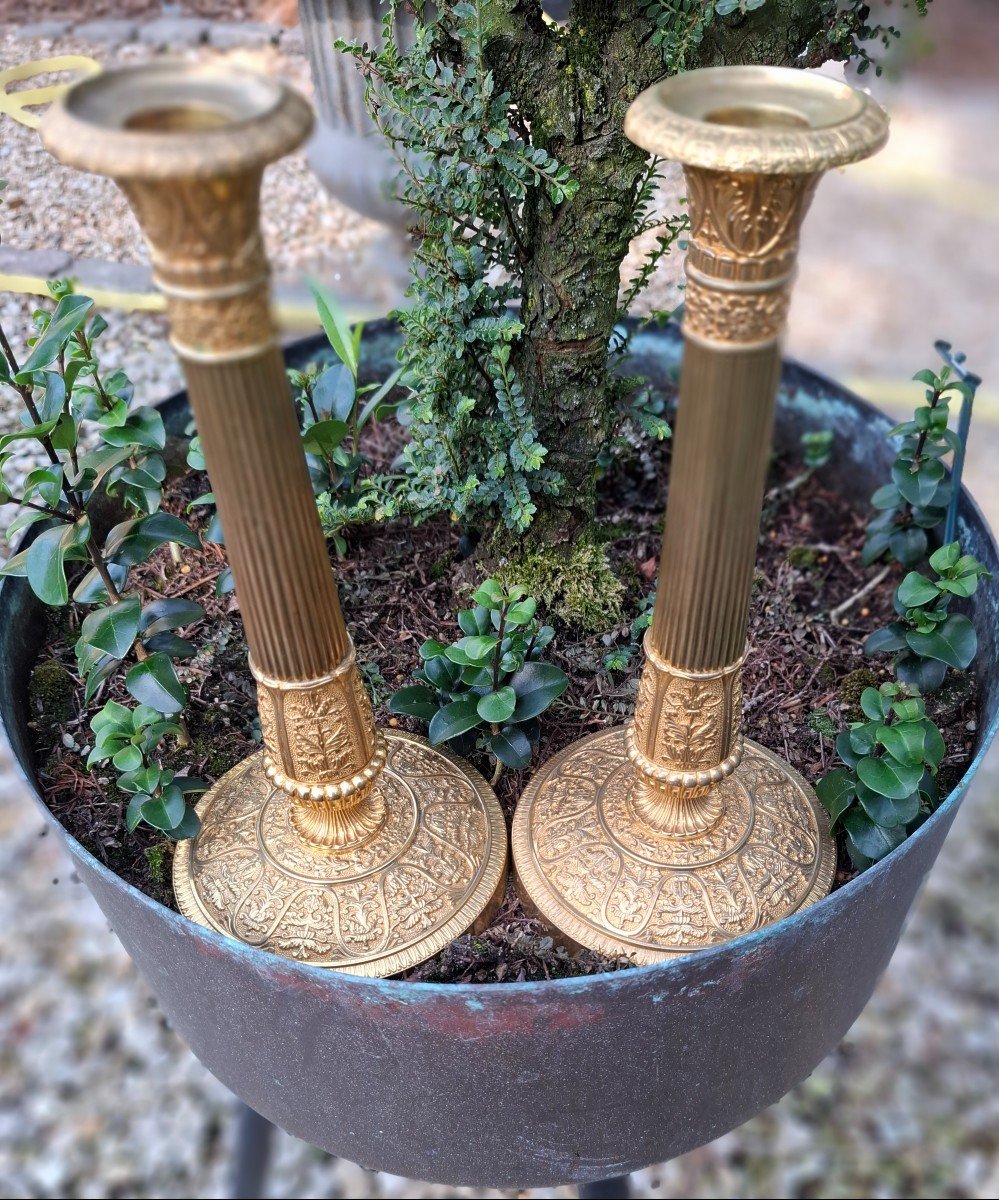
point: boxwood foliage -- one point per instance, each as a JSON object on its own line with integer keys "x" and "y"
{"x": 488, "y": 689}
{"x": 887, "y": 786}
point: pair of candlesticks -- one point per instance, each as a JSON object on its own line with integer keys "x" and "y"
{"x": 367, "y": 851}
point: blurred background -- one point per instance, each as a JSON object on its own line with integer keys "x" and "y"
{"x": 97, "y": 1096}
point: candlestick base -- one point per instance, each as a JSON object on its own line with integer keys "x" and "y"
{"x": 589, "y": 866}
{"x": 434, "y": 869}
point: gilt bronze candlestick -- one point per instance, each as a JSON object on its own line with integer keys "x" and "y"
{"x": 338, "y": 844}
{"x": 676, "y": 833}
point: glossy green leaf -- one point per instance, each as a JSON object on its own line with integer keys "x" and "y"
{"x": 926, "y": 674}
{"x": 915, "y": 589}
{"x": 512, "y": 747}
{"x": 334, "y": 392}
{"x": 167, "y": 642}
{"x": 169, "y": 614}
{"x": 873, "y": 841}
{"x": 479, "y": 647}
{"x": 536, "y": 686}
{"x": 337, "y": 326}
{"x": 836, "y": 791}
{"x": 113, "y": 629}
{"x": 128, "y": 758}
{"x": 889, "y": 777}
{"x": 324, "y": 437}
{"x": 144, "y": 427}
{"x": 845, "y": 750}
{"x": 945, "y": 557}
{"x": 188, "y": 827}
{"x": 918, "y": 487}
{"x": 889, "y": 639}
{"x": 453, "y": 719}
{"x": 154, "y": 682}
{"x": 934, "y": 747}
{"x": 497, "y": 707}
{"x": 165, "y": 811}
{"x": 887, "y": 812}
{"x": 908, "y": 545}
{"x": 873, "y": 704}
{"x": 905, "y": 742}
{"x": 47, "y": 556}
{"x": 70, "y": 313}
{"x": 415, "y": 701}
{"x": 953, "y": 642}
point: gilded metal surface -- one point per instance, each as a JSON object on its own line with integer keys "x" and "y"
{"x": 320, "y": 734}
{"x": 757, "y": 120}
{"x": 592, "y": 867}
{"x": 336, "y": 845}
{"x": 674, "y": 834}
{"x": 683, "y": 740}
{"x": 436, "y": 869}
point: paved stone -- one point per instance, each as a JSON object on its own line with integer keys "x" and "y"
{"x": 293, "y": 40}
{"x": 232, "y": 35}
{"x": 112, "y": 276}
{"x": 39, "y": 30}
{"x": 46, "y": 264}
{"x": 166, "y": 32}
{"x": 115, "y": 32}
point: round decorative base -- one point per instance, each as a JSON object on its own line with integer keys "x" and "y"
{"x": 592, "y": 869}
{"x": 435, "y": 869}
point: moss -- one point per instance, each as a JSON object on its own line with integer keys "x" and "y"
{"x": 51, "y": 690}
{"x": 576, "y": 585}
{"x": 803, "y": 558}
{"x": 157, "y": 857}
{"x": 443, "y": 566}
{"x": 851, "y": 689}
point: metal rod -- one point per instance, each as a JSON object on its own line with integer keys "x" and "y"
{"x": 955, "y": 360}
{"x": 254, "y": 1137}
{"x": 616, "y": 1188}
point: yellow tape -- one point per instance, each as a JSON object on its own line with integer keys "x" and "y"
{"x": 290, "y": 315}
{"x": 16, "y": 104}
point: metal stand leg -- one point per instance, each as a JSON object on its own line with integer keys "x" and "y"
{"x": 253, "y": 1147}
{"x": 606, "y": 1189}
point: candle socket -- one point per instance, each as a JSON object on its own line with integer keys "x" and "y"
{"x": 337, "y": 844}
{"x": 677, "y": 833}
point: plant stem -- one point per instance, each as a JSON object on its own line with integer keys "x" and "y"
{"x": 836, "y": 613}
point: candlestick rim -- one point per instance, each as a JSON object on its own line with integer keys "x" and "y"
{"x": 815, "y": 122}
{"x": 259, "y": 121}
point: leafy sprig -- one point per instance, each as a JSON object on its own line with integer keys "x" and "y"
{"x": 489, "y": 688}
{"x": 888, "y": 783}
{"x": 916, "y": 499}
{"x": 927, "y": 637}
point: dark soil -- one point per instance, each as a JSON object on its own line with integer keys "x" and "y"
{"x": 399, "y": 586}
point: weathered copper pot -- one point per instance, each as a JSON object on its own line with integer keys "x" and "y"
{"x": 541, "y": 1083}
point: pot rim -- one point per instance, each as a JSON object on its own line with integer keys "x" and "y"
{"x": 487, "y": 992}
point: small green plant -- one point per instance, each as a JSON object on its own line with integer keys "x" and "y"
{"x": 129, "y": 737}
{"x": 618, "y": 659}
{"x": 888, "y": 784}
{"x": 98, "y": 445}
{"x": 334, "y": 413}
{"x": 928, "y": 638}
{"x": 917, "y": 497}
{"x": 489, "y": 688}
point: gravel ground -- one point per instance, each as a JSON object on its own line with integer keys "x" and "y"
{"x": 48, "y": 206}
{"x": 99, "y": 1098}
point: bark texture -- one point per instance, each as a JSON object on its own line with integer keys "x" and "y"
{"x": 573, "y": 89}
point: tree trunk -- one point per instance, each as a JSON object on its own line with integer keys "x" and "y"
{"x": 574, "y": 90}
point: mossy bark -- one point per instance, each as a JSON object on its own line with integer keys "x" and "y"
{"x": 573, "y": 88}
